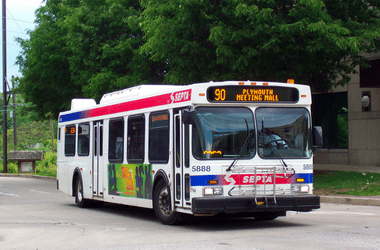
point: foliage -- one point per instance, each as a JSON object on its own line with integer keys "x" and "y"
{"x": 9, "y": 110}
{"x": 104, "y": 38}
{"x": 46, "y": 81}
{"x": 342, "y": 129}
{"x": 31, "y": 135}
{"x": 12, "y": 168}
{"x": 312, "y": 41}
{"x": 346, "y": 183}
{"x": 89, "y": 47}
{"x": 83, "y": 49}
{"x": 47, "y": 167}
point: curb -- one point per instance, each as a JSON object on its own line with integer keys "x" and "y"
{"x": 352, "y": 200}
{"x": 28, "y": 176}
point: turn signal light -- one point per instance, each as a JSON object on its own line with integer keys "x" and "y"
{"x": 300, "y": 180}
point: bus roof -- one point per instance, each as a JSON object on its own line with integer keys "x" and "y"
{"x": 149, "y": 96}
{"x": 135, "y": 92}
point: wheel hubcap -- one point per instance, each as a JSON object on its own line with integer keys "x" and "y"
{"x": 79, "y": 191}
{"x": 163, "y": 202}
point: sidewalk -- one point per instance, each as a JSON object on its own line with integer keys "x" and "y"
{"x": 353, "y": 168}
{"x": 354, "y": 200}
{"x": 28, "y": 176}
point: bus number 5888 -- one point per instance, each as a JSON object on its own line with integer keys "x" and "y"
{"x": 201, "y": 169}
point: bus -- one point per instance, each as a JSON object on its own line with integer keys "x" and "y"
{"x": 234, "y": 147}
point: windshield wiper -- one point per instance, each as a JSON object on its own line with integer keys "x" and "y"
{"x": 249, "y": 137}
{"x": 278, "y": 155}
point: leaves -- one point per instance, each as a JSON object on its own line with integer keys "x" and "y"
{"x": 83, "y": 49}
{"x": 89, "y": 47}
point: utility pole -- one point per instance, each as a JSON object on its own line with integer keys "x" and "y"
{"x": 5, "y": 102}
{"x": 14, "y": 112}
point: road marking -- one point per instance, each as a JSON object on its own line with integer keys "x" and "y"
{"x": 41, "y": 192}
{"x": 1, "y": 193}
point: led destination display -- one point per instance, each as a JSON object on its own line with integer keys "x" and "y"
{"x": 252, "y": 94}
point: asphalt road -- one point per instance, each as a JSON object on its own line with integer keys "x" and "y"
{"x": 35, "y": 215}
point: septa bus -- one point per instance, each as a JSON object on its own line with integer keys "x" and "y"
{"x": 231, "y": 147}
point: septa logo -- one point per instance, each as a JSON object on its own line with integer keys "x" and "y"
{"x": 251, "y": 179}
{"x": 181, "y": 96}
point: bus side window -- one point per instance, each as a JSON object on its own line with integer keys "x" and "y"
{"x": 136, "y": 139}
{"x": 70, "y": 134}
{"x": 159, "y": 137}
{"x": 84, "y": 139}
{"x": 116, "y": 140}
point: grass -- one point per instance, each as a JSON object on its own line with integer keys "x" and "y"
{"x": 346, "y": 183}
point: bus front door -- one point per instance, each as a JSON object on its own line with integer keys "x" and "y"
{"x": 97, "y": 166}
{"x": 181, "y": 163}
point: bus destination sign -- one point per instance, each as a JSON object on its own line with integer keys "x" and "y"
{"x": 252, "y": 94}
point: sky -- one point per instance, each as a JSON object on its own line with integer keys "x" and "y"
{"x": 20, "y": 18}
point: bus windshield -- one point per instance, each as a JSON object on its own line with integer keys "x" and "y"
{"x": 220, "y": 133}
{"x": 283, "y": 132}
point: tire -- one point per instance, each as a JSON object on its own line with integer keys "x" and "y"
{"x": 81, "y": 202}
{"x": 162, "y": 206}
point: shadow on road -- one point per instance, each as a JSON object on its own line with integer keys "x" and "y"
{"x": 208, "y": 223}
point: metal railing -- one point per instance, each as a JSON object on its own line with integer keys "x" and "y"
{"x": 264, "y": 185}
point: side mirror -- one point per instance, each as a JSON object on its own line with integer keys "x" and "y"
{"x": 317, "y": 136}
{"x": 188, "y": 116}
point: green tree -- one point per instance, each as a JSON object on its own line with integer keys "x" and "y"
{"x": 312, "y": 41}
{"x": 89, "y": 47}
{"x": 46, "y": 81}
{"x": 83, "y": 49}
{"x": 104, "y": 37}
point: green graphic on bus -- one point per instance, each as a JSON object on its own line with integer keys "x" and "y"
{"x": 130, "y": 180}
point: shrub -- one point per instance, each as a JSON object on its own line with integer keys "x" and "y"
{"x": 12, "y": 168}
{"x": 48, "y": 166}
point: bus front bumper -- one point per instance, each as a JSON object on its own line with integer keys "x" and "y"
{"x": 213, "y": 205}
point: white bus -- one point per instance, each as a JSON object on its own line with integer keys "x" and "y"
{"x": 202, "y": 149}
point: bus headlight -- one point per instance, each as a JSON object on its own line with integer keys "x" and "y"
{"x": 301, "y": 188}
{"x": 304, "y": 189}
{"x": 207, "y": 191}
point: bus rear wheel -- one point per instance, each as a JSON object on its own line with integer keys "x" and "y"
{"x": 161, "y": 205}
{"x": 81, "y": 202}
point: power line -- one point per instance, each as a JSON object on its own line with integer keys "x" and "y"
{"x": 16, "y": 22}
{"x": 12, "y": 31}
{"x": 12, "y": 44}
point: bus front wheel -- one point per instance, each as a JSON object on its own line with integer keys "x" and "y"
{"x": 161, "y": 205}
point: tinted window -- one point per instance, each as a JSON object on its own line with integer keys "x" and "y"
{"x": 159, "y": 137}
{"x": 223, "y": 133}
{"x": 283, "y": 132}
{"x": 116, "y": 140}
{"x": 84, "y": 139}
{"x": 70, "y": 133}
{"x": 136, "y": 138}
